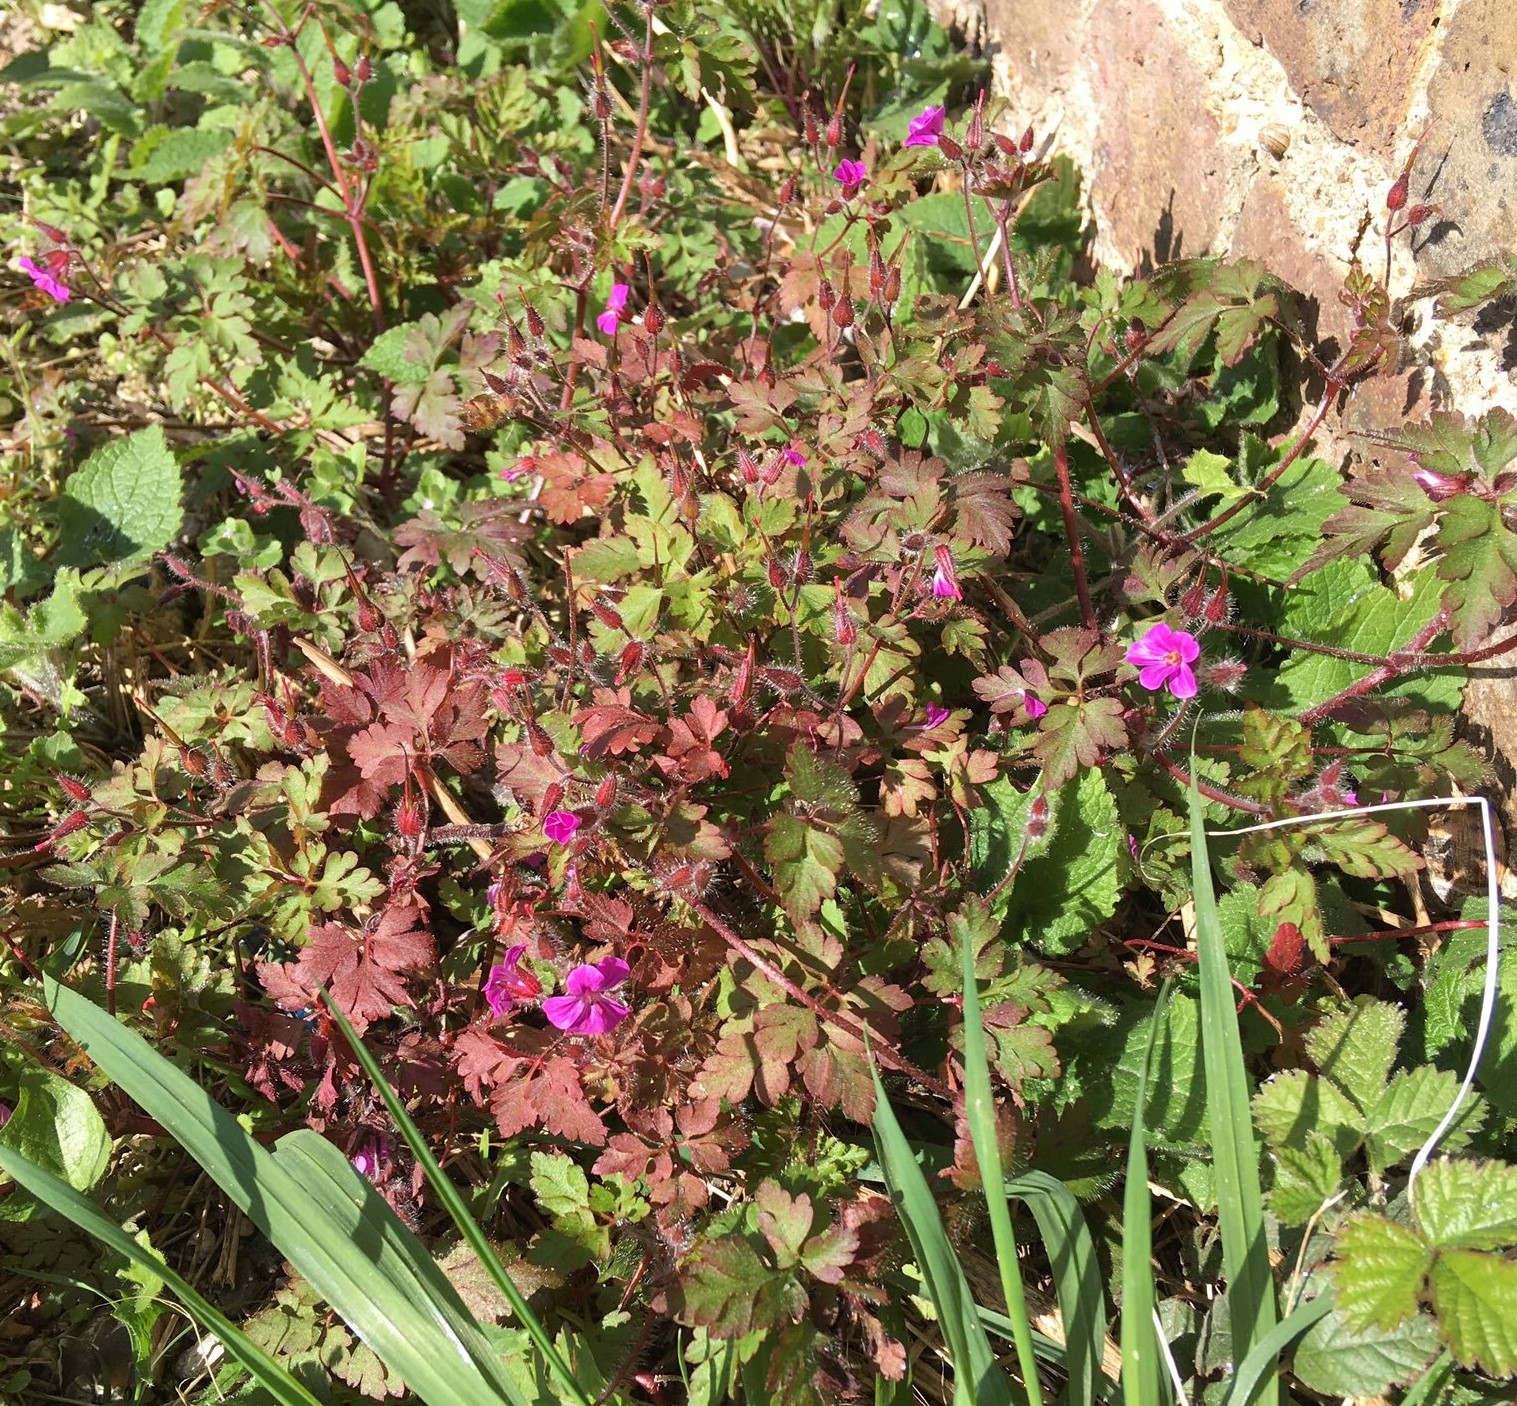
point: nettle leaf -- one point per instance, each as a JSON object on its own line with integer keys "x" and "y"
{"x": 1475, "y": 1298}
{"x": 1379, "y": 1270}
{"x": 1341, "y": 1362}
{"x": 1105, "y": 1064}
{"x": 123, "y": 503}
{"x": 1072, "y": 886}
{"x": 1467, "y": 1205}
{"x": 1412, "y": 1106}
{"x": 1355, "y": 1048}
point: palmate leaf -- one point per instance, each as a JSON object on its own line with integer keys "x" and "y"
{"x": 1072, "y": 739}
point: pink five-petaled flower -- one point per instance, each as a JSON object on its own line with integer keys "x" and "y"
{"x": 850, "y": 175}
{"x": 586, "y": 1009}
{"x": 45, "y": 279}
{"x": 509, "y": 983}
{"x": 1164, "y": 656}
{"x": 616, "y": 309}
{"x": 945, "y": 583}
{"x": 926, "y": 129}
{"x": 560, "y": 825}
{"x": 937, "y": 715}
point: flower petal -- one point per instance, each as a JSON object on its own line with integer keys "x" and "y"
{"x": 565, "y": 1012}
{"x": 1183, "y": 684}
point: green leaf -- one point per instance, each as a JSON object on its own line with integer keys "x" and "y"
{"x": 122, "y": 503}
{"x": 1140, "y": 1344}
{"x": 1261, "y": 1362}
{"x": 335, "y": 1229}
{"x": 1479, "y": 562}
{"x": 805, "y": 861}
{"x": 1475, "y": 1297}
{"x": 1073, "y": 738}
{"x": 1356, "y": 1047}
{"x": 1240, "y": 1202}
{"x": 57, "y": 1127}
{"x": 168, "y": 156}
{"x": 726, "y": 1288}
{"x": 1072, "y": 886}
{"x": 1497, "y": 278}
{"x": 1341, "y": 1362}
{"x": 1105, "y": 1063}
{"x": 998, "y": 829}
{"x": 1307, "y": 1176}
{"x": 1468, "y": 1205}
{"x": 1412, "y": 1106}
{"x": 62, "y": 1197}
{"x": 1294, "y": 1104}
{"x": 1379, "y": 1271}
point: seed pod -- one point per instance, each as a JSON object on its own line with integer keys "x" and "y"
{"x": 974, "y": 134}
{"x": 369, "y": 619}
{"x": 408, "y": 820}
{"x": 1026, "y": 142}
{"x": 802, "y": 569}
{"x": 835, "y": 130}
{"x": 193, "y": 762}
{"x": 605, "y": 793}
{"x": 1396, "y": 197}
{"x": 842, "y": 314}
{"x": 535, "y": 324}
{"x": 342, "y": 73}
{"x": 73, "y": 788}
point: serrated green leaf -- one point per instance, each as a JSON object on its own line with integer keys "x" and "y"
{"x": 1356, "y": 1047}
{"x": 176, "y": 155}
{"x": 805, "y": 861}
{"x": 123, "y": 503}
{"x": 1412, "y": 1106}
{"x": 1475, "y": 1297}
{"x": 1296, "y": 1103}
{"x": 1063, "y": 894}
{"x": 818, "y": 783}
{"x": 1467, "y": 1205}
{"x": 1341, "y": 1362}
{"x": 1379, "y": 1271}
{"x": 998, "y": 828}
{"x": 1479, "y": 562}
{"x": 1105, "y": 1063}
{"x": 1307, "y": 1175}
{"x": 1071, "y": 739}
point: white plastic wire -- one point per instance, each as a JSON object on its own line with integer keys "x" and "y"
{"x": 1493, "y": 937}
{"x": 1169, "y": 1361}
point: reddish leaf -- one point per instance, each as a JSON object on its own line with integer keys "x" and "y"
{"x": 614, "y": 728}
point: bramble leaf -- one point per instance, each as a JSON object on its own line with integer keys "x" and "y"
{"x": 1355, "y": 1047}
{"x": 1475, "y": 1298}
{"x": 1379, "y": 1270}
{"x": 1467, "y": 1205}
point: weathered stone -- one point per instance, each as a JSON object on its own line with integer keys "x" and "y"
{"x": 1353, "y": 62}
{"x": 1468, "y": 163}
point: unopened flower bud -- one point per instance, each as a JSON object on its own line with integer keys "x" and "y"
{"x": 193, "y": 762}
{"x": 787, "y": 192}
{"x": 844, "y": 629}
{"x": 538, "y": 740}
{"x": 1026, "y": 142}
{"x": 629, "y": 661}
{"x": 802, "y": 570}
{"x": 73, "y": 788}
{"x": 950, "y": 148}
{"x": 1395, "y": 198}
{"x": 535, "y": 324}
{"x": 369, "y": 619}
{"x": 893, "y": 285}
{"x": 342, "y": 73}
{"x": 1440, "y": 487}
{"x": 1225, "y": 674}
{"x": 365, "y": 70}
{"x": 552, "y": 796}
{"x": 408, "y": 820}
{"x": 835, "y": 130}
{"x": 607, "y": 615}
{"x": 842, "y": 314}
{"x": 1037, "y": 820}
{"x": 1418, "y": 214}
{"x": 654, "y": 319}
{"x": 747, "y": 466}
{"x": 74, "y": 821}
{"x": 605, "y": 793}
{"x": 776, "y": 575}
{"x": 826, "y": 295}
{"x": 812, "y": 135}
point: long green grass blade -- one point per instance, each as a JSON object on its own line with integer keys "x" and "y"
{"x": 1140, "y": 1343}
{"x": 368, "y": 1266}
{"x": 1240, "y": 1203}
{"x": 1429, "y": 1386}
{"x": 59, "y": 1196}
{"x": 1264, "y": 1359}
{"x": 978, "y": 1381}
{"x": 1077, "y": 1281}
{"x": 980, "y": 1112}
{"x": 453, "y": 1202}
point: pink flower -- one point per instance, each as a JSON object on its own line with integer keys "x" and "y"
{"x": 1163, "y": 657}
{"x": 560, "y": 825}
{"x": 937, "y": 715}
{"x": 586, "y": 1010}
{"x": 1035, "y": 706}
{"x": 509, "y": 983}
{"x": 850, "y": 175}
{"x": 926, "y": 129}
{"x": 944, "y": 581}
{"x": 794, "y": 458}
{"x": 1350, "y": 798}
{"x": 46, "y": 279}
{"x": 616, "y": 309}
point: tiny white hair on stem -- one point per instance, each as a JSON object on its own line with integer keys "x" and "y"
{"x": 1492, "y": 946}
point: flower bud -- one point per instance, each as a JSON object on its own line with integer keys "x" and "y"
{"x": 408, "y": 820}
{"x": 605, "y": 793}
{"x": 628, "y": 662}
{"x": 535, "y": 324}
{"x": 540, "y": 742}
{"x": 1418, "y": 214}
{"x": 364, "y": 70}
{"x": 193, "y": 762}
{"x": 73, "y": 788}
{"x": 835, "y": 130}
{"x": 607, "y": 615}
{"x": 842, "y": 314}
{"x": 950, "y": 148}
{"x": 654, "y": 319}
{"x": 1037, "y": 820}
{"x": 776, "y": 575}
{"x": 552, "y": 796}
{"x": 893, "y": 285}
{"x": 826, "y": 295}
{"x": 341, "y": 73}
{"x": 1396, "y": 197}
{"x": 1440, "y": 487}
{"x": 812, "y": 135}
{"x": 1026, "y": 142}
{"x": 747, "y": 466}
{"x": 787, "y": 192}
{"x": 844, "y": 630}
{"x": 74, "y": 821}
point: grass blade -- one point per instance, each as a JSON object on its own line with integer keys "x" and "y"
{"x": 453, "y": 1202}
{"x": 980, "y": 1112}
{"x": 978, "y": 1381}
{"x": 1240, "y": 1203}
{"x": 371, "y": 1270}
{"x": 1077, "y": 1281}
{"x": 1140, "y": 1340}
{"x": 59, "y": 1196}
{"x": 1261, "y": 1361}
